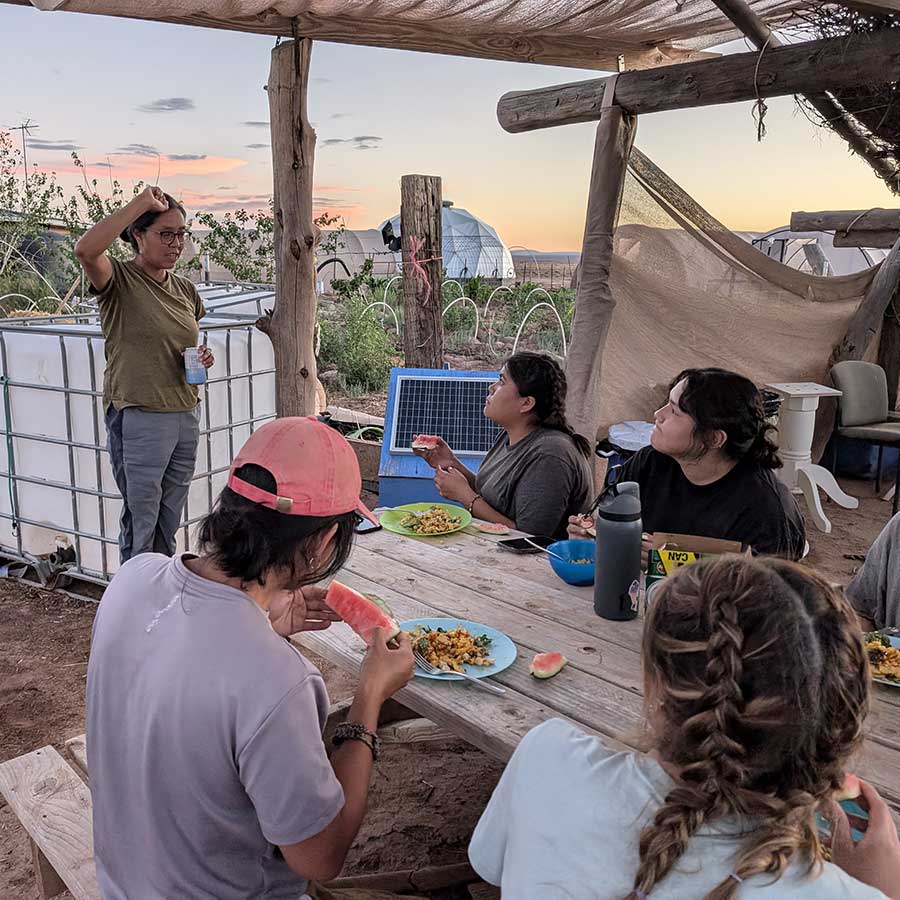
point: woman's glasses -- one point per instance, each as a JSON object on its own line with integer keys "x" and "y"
{"x": 169, "y": 238}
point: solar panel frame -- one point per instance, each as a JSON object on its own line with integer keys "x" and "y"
{"x": 450, "y": 407}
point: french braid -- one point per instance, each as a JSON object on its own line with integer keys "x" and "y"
{"x": 762, "y": 679}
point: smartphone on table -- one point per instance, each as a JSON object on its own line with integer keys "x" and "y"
{"x": 520, "y": 545}
{"x": 365, "y": 526}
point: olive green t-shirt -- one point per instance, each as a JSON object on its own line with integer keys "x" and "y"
{"x": 147, "y": 325}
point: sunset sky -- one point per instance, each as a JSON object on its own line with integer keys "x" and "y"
{"x": 137, "y": 98}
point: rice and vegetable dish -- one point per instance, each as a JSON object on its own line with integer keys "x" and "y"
{"x": 433, "y": 521}
{"x": 451, "y": 648}
{"x": 883, "y": 658}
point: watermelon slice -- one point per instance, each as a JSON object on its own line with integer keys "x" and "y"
{"x": 363, "y": 614}
{"x": 546, "y": 665}
{"x": 425, "y": 442}
{"x": 850, "y": 789}
{"x": 492, "y": 527}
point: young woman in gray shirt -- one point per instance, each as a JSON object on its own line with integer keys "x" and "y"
{"x": 537, "y": 473}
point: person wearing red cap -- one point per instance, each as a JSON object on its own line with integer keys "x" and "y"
{"x": 209, "y": 775}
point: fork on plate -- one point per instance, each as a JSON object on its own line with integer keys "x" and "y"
{"x": 429, "y": 669}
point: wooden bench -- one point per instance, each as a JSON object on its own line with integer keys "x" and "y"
{"x": 54, "y": 806}
{"x": 51, "y": 799}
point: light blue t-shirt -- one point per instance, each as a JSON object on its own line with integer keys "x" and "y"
{"x": 565, "y": 819}
{"x": 204, "y": 741}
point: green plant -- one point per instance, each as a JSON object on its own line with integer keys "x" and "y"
{"x": 334, "y": 239}
{"x": 351, "y": 288}
{"x": 241, "y": 242}
{"x": 358, "y": 347}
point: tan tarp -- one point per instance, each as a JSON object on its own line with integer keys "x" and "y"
{"x": 581, "y": 33}
{"x": 691, "y": 293}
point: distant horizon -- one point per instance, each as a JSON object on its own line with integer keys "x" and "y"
{"x": 199, "y": 122}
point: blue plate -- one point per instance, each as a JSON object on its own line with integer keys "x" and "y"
{"x": 502, "y": 649}
{"x": 895, "y": 642}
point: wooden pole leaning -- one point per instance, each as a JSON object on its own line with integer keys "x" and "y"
{"x": 594, "y": 301}
{"x": 291, "y": 326}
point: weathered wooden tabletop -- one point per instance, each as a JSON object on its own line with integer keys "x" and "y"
{"x": 467, "y": 576}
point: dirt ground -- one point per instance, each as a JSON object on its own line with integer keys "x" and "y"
{"x": 44, "y": 643}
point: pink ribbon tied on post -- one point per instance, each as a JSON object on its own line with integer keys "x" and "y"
{"x": 416, "y": 246}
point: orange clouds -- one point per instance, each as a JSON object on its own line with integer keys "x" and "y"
{"x": 145, "y": 168}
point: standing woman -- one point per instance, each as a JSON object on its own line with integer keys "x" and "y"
{"x": 537, "y": 473}
{"x": 149, "y": 317}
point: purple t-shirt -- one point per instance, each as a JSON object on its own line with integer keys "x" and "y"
{"x": 204, "y": 741}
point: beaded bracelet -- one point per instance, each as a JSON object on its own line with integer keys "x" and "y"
{"x": 471, "y": 505}
{"x": 353, "y": 731}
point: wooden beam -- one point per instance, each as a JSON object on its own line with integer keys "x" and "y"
{"x": 867, "y": 319}
{"x": 421, "y": 237}
{"x": 291, "y": 327}
{"x": 804, "y": 68}
{"x": 558, "y": 50}
{"x": 841, "y": 220}
{"x": 842, "y": 123}
{"x": 880, "y": 240}
{"x": 594, "y": 302}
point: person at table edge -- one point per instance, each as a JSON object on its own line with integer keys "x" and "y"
{"x": 875, "y": 590}
{"x": 537, "y": 473}
{"x": 710, "y": 468}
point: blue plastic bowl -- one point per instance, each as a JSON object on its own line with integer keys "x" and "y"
{"x": 577, "y": 574}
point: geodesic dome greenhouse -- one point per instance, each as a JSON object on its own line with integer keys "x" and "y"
{"x": 470, "y": 246}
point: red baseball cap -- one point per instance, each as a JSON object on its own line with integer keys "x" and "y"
{"x": 316, "y": 470}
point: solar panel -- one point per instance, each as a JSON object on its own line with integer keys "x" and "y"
{"x": 449, "y": 407}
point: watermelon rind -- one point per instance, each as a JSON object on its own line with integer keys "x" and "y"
{"x": 546, "y": 665}
{"x": 492, "y": 527}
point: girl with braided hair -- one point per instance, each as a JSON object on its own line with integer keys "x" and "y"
{"x": 710, "y": 468}
{"x": 756, "y": 687}
{"x": 537, "y": 473}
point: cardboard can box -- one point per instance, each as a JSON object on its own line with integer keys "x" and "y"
{"x": 672, "y": 551}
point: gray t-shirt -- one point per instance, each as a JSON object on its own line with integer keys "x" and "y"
{"x": 204, "y": 741}
{"x": 538, "y": 482}
{"x": 875, "y": 591}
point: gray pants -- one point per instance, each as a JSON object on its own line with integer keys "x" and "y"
{"x": 152, "y": 456}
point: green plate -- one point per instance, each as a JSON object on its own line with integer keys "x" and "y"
{"x": 390, "y": 518}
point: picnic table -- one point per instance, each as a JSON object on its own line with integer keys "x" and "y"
{"x": 466, "y": 576}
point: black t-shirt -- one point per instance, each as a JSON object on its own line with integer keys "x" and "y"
{"x": 749, "y": 504}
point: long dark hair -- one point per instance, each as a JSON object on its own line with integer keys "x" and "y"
{"x": 760, "y": 678}
{"x": 250, "y": 541}
{"x": 719, "y": 400}
{"x": 144, "y": 221}
{"x": 537, "y": 375}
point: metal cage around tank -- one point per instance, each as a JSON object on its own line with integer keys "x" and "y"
{"x": 57, "y": 480}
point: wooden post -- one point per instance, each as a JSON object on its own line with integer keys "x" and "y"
{"x": 291, "y": 327}
{"x": 868, "y": 317}
{"x": 594, "y": 302}
{"x": 889, "y": 352}
{"x": 421, "y": 236}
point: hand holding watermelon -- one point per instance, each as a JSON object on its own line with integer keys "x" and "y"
{"x": 386, "y": 668}
{"x": 434, "y": 450}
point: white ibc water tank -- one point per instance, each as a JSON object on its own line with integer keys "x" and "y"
{"x": 54, "y": 439}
